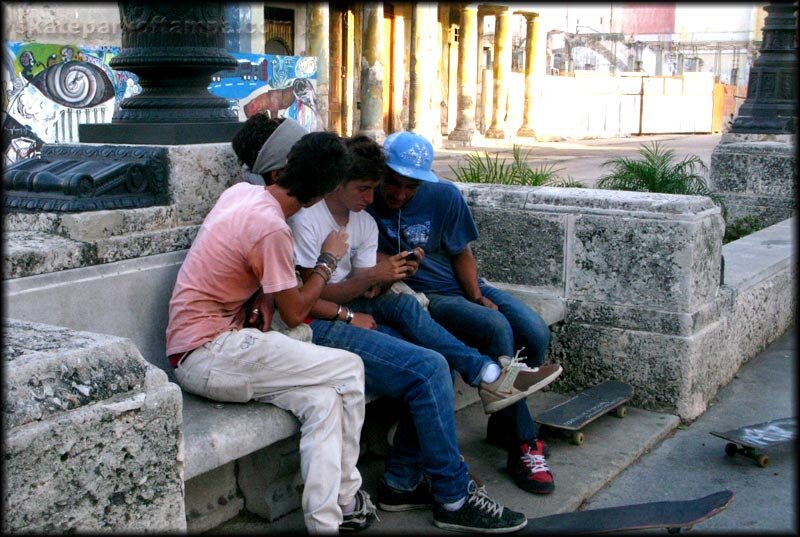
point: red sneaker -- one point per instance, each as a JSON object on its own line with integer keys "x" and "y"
{"x": 529, "y": 468}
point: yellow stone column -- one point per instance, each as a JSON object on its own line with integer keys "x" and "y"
{"x": 467, "y": 75}
{"x": 502, "y": 67}
{"x": 318, "y": 45}
{"x": 531, "y": 34}
{"x": 335, "y": 70}
{"x": 422, "y": 83}
{"x": 372, "y": 68}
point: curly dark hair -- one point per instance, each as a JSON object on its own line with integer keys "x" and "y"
{"x": 251, "y": 137}
{"x": 317, "y": 163}
{"x": 369, "y": 160}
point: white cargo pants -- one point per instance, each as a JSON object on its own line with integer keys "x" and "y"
{"x": 322, "y": 386}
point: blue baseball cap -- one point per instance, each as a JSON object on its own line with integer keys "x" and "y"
{"x": 410, "y": 155}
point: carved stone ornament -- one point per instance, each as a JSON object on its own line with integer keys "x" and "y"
{"x": 72, "y": 178}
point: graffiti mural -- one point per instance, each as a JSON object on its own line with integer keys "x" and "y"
{"x": 279, "y": 86}
{"x": 48, "y": 90}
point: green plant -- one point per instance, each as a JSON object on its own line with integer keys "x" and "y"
{"x": 490, "y": 169}
{"x": 657, "y": 171}
{"x": 741, "y": 227}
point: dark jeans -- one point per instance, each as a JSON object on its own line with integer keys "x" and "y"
{"x": 426, "y": 440}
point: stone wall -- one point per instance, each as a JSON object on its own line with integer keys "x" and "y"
{"x": 93, "y": 435}
{"x": 41, "y": 243}
{"x": 640, "y": 275}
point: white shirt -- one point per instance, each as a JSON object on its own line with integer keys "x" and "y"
{"x": 311, "y": 226}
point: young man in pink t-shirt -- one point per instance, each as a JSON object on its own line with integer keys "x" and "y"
{"x": 244, "y": 248}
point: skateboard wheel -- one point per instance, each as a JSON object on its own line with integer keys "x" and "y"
{"x": 763, "y": 461}
{"x": 577, "y": 438}
{"x": 621, "y": 412}
{"x": 731, "y": 449}
{"x": 673, "y": 531}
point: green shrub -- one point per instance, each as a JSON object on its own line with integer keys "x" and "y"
{"x": 657, "y": 171}
{"x": 490, "y": 169}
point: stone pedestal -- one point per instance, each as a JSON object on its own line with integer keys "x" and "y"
{"x": 93, "y": 440}
{"x": 755, "y": 175}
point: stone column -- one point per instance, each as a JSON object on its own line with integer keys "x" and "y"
{"x": 754, "y": 167}
{"x": 467, "y": 75}
{"x": 423, "y": 69}
{"x": 174, "y": 49}
{"x": 501, "y": 68}
{"x": 771, "y": 104}
{"x": 318, "y": 44}
{"x": 335, "y": 72}
{"x": 372, "y": 72}
{"x": 531, "y": 34}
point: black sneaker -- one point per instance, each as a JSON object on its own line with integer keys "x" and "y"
{"x": 390, "y": 499}
{"x": 479, "y": 514}
{"x": 363, "y": 515}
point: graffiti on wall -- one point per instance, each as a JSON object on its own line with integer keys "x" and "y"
{"x": 48, "y": 90}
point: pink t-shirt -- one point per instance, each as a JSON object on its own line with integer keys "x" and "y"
{"x": 244, "y": 243}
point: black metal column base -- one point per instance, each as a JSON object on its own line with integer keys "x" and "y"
{"x": 159, "y": 133}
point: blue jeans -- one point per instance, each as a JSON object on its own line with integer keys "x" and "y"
{"x": 401, "y": 315}
{"x": 425, "y": 442}
{"x": 497, "y": 333}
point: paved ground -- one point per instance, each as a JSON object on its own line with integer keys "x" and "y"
{"x": 580, "y": 159}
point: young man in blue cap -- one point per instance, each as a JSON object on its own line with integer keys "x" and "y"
{"x": 414, "y": 209}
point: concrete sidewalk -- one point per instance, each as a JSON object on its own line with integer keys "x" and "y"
{"x": 646, "y": 456}
{"x": 611, "y": 445}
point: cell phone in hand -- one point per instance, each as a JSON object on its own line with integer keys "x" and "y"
{"x": 412, "y": 256}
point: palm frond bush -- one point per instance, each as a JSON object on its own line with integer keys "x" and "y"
{"x": 656, "y": 171}
{"x": 490, "y": 169}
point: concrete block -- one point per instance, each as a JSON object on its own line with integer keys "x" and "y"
{"x": 35, "y": 252}
{"x": 270, "y": 479}
{"x": 212, "y": 498}
{"x": 664, "y": 264}
{"x": 197, "y": 176}
{"x": 517, "y": 246}
{"x": 94, "y": 442}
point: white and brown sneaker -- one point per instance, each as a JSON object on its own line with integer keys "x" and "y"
{"x": 516, "y": 381}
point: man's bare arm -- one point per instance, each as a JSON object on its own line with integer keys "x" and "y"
{"x": 466, "y": 272}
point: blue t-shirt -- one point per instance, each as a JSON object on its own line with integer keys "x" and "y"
{"x": 436, "y": 219}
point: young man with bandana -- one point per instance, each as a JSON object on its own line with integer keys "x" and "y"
{"x": 414, "y": 209}
{"x": 244, "y": 246}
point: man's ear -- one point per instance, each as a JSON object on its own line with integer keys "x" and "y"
{"x": 273, "y": 175}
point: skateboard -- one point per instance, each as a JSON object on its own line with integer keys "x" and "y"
{"x": 575, "y": 413}
{"x": 671, "y": 515}
{"x": 748, "y": 440}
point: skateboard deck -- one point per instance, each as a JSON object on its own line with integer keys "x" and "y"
{"x": 671, "y": 515}
{"x": 750, "y": 439}
{"x": 575, "y": 413}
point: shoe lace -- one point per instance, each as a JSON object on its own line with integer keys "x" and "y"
{"x": 516, "y": 361}
{"x": 365, "y": 507}
{"x": 481, "y": 500}
{"x": 534, "y": 461}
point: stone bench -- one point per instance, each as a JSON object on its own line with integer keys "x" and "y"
{"x": 215, "y": 436}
